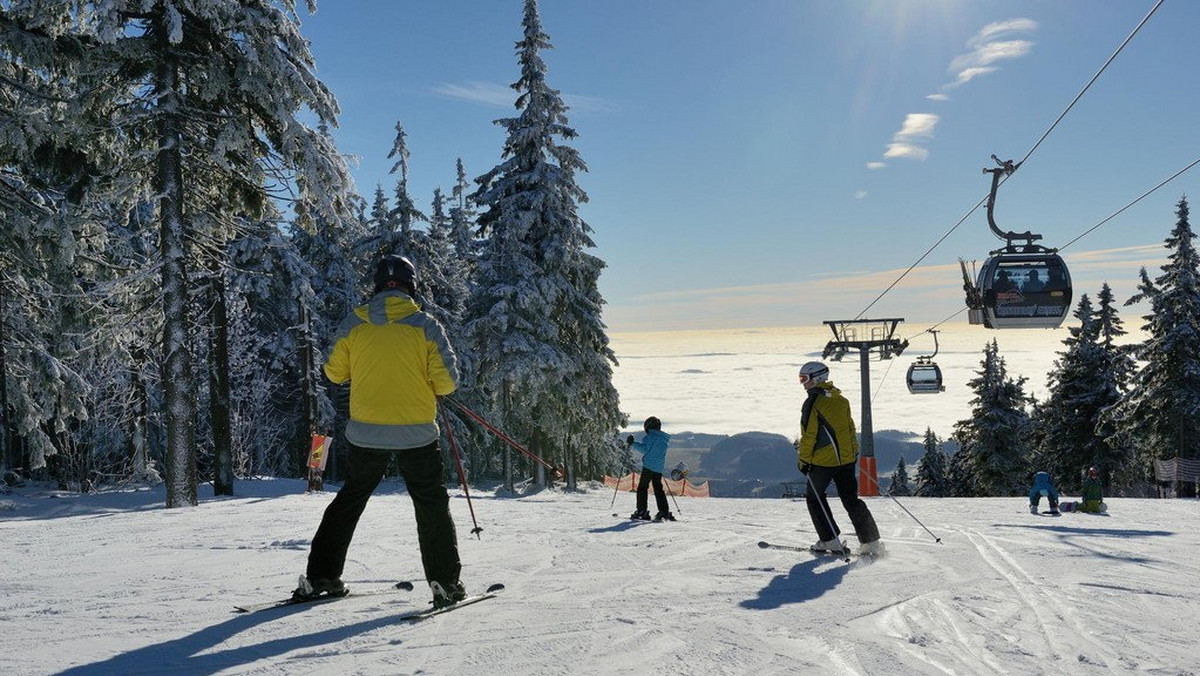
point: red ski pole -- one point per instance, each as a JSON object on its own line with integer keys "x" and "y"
{"x": 501, "y": 435}
{"x": 462, "y": 476}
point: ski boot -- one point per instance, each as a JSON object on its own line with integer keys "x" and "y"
{"x": 664, "y": 516}
{"x": 447, "y": 594}
{"x": 640, "y": 515}
{"x": 834, "y": 546}
{"x": 874, "y": 549}
{"x": 318, "y": 587}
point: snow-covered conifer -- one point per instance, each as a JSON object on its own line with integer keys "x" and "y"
{"x": 899, "y": 485}
{"x": 534, "y": 315}
{"x": 995, "y": 440}
{"x": 1088, "y": 378}
{"x": 932, "y": 479}
{"x": 1158, "y": 414}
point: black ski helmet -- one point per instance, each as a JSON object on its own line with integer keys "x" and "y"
{"x": 652, "y": 423}
{"x": 395, "y": 272}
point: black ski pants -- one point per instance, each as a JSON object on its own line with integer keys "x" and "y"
{"x": 422, "y": 471}
{"x": 650, "y": 477}
{"x": 844, "y": 477}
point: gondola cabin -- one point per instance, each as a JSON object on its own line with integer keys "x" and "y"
{"x": 1024, "y": 291}
{"x": 924, "y": 377}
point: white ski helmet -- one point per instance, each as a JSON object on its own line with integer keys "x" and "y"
{"x": 815, "y": 371}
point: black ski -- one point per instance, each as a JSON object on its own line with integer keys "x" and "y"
{"x": 404, "y": 586}
{"x": 622, "y": 516}
{"x": 418, "y": 615}
{"x": 845, "y": 554}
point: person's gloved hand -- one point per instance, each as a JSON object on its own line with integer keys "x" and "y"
{"x": 629, "y": 440}
{"x": 804, "y": 467}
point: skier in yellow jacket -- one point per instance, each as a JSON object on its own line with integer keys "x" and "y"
{"x": 828, "y": 452}
{"x": 398, "y": 361}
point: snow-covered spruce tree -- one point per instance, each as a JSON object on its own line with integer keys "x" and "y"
{"x": 442, "y": 282}
{"x": 223, "y": 86}
{"x": 1119, "y": 365}
{"x": 899, "y": 485}
{"x": 1087, "y": 378}
{"x": 1157, "y": 416}
{"x": 338, "y": 286}
{"x": 995, "y": 440}
{"x": 58, "y": 192}
{"x": 406, "y": 214}
{"x": 392, "y": 227}
{"x": 534, "y": 314}
{"x": 270, "y": 286}
{"x": 932, "y": 479}
{"x": 462, "y": 220}
{"x": 382, "y": 236}
{"x": 442, "y": 292}
{"x": 475, "y": 441}
{"x": 958, "y": 476}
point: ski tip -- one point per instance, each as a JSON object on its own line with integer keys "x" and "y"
{"x": 239, "y": 610}
{"x": 763, "y": 544}
{"x": 495, "y": 588}
{"x": 405, "y": 585}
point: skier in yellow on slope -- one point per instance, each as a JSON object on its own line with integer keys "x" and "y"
{"x": 828, "y": 453}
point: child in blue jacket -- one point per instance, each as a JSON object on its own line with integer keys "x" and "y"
{"x": 653, "y": 448}
{"x": 1042, "y": 486}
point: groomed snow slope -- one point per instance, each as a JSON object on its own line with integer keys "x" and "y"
{"x": 115, "y": 584}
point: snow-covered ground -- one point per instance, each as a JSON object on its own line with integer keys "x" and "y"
{"x": 115, "y": 584}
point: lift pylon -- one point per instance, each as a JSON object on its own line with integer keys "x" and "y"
{"x": 865, "y": 336}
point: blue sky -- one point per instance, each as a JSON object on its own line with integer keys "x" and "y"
{"x": 780, "y": 162}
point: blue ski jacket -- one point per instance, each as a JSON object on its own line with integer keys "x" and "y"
{"x": 653, "y": 448}
{"x": 1042, "y": 486}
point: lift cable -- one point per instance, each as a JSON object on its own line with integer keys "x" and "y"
{"x": 1139, "y": 199}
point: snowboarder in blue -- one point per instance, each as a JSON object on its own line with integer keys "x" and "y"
{"x": 1042, "y": 486}
{"x": 653, "y": 448}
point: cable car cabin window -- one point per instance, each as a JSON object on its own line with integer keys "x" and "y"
{"x": 1025, "y": 291}
{"x": 925, "y": 378}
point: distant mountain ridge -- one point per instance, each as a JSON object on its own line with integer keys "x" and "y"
{"x": 756, "y": 464}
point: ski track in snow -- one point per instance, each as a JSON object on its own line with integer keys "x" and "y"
{"x": 113, "y": 584}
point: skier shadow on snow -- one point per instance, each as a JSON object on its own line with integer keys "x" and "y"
{"x": 621, "y": 527}
{"x": 806, "y": 581}
{"x": 1084, "y": 530}
{"x": 182, "y": 655}
{"x": 1077, "y": 536}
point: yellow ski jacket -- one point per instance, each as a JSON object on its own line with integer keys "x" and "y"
{"x": 398, "y": 361}
{"x": 827, "y": 436}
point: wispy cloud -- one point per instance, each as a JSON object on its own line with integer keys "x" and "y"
{"x": 502, "y": 96}
{"x": 485, "y": 93}
{"x": 917, "y": 130}
{"x": 860, "y": 194}
{"x": 990, "y": 46}
{"x": 590, "y": 104}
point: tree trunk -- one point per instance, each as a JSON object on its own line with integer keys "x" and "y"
{"x": 508, "y": 464}
{"x": 570, "y": 462}
{"x": 218, "y": 387}
{"x": 178, "y": 387}
{"x": 8, "y": 452}
{"x": 138, "y": 440}
{"x": 308, "y": 358}
{"x": 539, "y": 445}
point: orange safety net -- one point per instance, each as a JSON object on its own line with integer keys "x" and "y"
{"x": 681, "y": 488}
